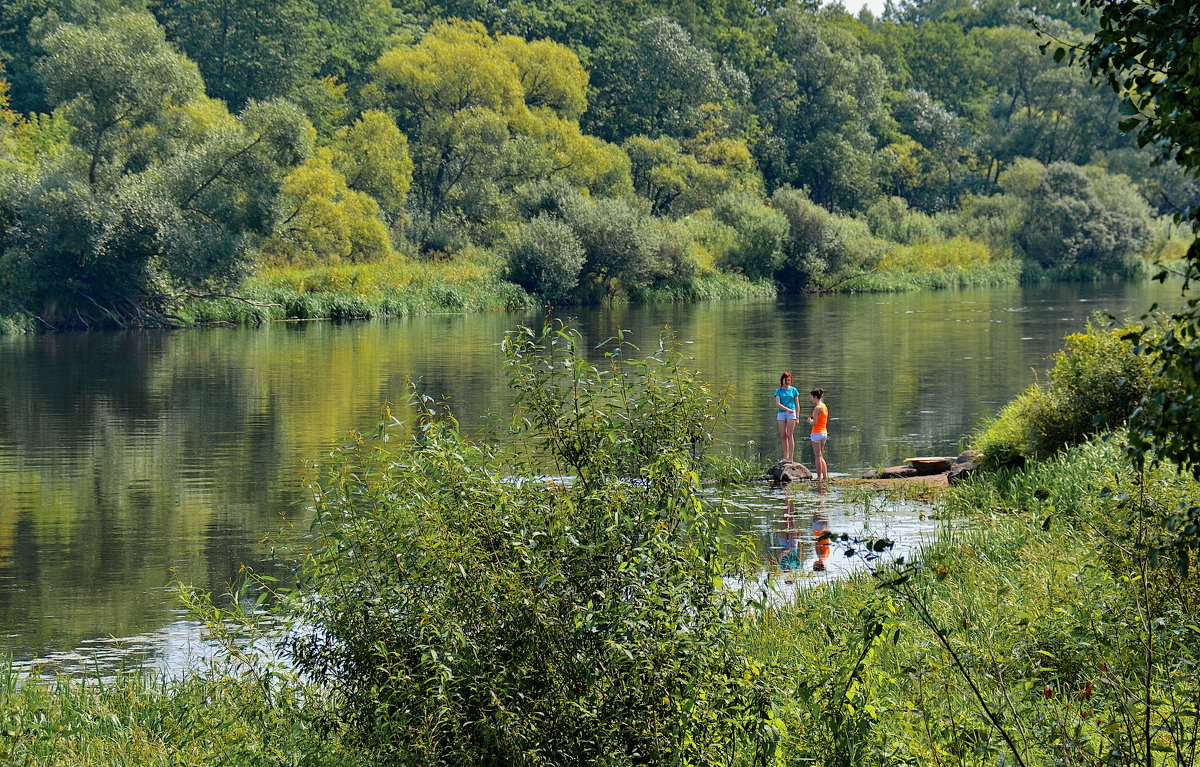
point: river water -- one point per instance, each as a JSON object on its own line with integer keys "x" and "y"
{"x": 129, "y": 460}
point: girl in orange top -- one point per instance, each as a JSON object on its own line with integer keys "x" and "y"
{"x": 819, "y": 419}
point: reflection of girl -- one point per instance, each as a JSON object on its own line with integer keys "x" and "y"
{"x": 785, "y": 414}
{"x": 791, "y": 555}
{"x": 820, "y": 540}
{"x": 820, "y": 435}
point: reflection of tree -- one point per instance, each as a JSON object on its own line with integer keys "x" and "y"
{"x": 123, "y": 456}
{"x": 882, "y": 359}
{"x": 129, "y": 456}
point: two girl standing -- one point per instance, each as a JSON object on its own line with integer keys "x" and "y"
{"x": 787, "y": 414}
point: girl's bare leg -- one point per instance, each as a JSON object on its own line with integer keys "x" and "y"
{"x": 819, "y": 460}
{"x": 786, "y": 440}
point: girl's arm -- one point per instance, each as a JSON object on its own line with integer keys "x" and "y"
{"x": 782, "y": 406}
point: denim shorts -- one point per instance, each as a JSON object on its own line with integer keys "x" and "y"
{"x": 784, "y": 415}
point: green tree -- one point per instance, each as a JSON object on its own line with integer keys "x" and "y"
{"x": 619, "y": 242}
{"x": 23, "y": 26}
{"x": 8, "y": 118}
{"x": 1146, "y": 52}
{"x": 1073, "y": 218}
{"x": 671, "y": 79}
{"x": 678, "y": 182}
{"x": 98, "y": 78}
{"x": 758, "y": 249}
{"x": 931, "y": 169}
{"x": 247, "y": 49}
{"x": 321, "y": 220}
{"x": 353, "y": 34}
{"x": 818, "y": 109}
{"x": 820, "y": 249}
{"x": 373, "y": 155}
{"x": 1043, "y": 109}
{"x": 488, "y": 114}
{"x": 545, "y": 257}
{"x": 159, "y": 190}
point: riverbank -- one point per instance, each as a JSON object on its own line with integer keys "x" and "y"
{"x": 1043, "y": 600}
{"x": 400, "y": 287}
{"x": 1034, "y": 599}
{"x": 1038, "y": 623}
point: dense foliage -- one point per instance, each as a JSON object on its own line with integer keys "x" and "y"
{"x": 1146, "y": 51}
{"x": 461, "y": 611}
{"x": 1095, "y": 385}
{"x": 158, "y": 152}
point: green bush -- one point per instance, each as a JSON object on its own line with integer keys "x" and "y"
{"x": 891, "y": 219}
{"x": 758, "y": 248}
{"x": 1095, "y": 384}
{"x": 460, "y": 612}
{"x": 1083, "y": 218}
{"x": 618, "y": 238}
{"x": 545, "y": 258}
{"x": 807, "y": 236}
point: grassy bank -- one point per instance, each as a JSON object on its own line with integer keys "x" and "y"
{"x": 1033, "y": 631}
{"x": 936, "y": 264}
{"x": 1035, "y": 594}
{"x": 473, "y": 281}
{"x": 402, "y": 288}
{"x": 135, "y": 719}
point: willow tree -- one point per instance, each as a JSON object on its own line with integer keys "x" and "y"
{"x": 158, "y": 191}
{"x": 486, "y": 114}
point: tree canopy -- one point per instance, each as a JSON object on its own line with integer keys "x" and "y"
{"x": 156, "y": 148}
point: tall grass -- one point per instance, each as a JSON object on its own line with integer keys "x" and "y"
{"x": 140, "y": 719}
{"x": 395, "y": 287}
{"x": 957, "y": 262}
{"x": 1032, "y": 632}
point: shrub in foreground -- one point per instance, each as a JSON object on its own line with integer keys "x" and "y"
{"x": 461, "y": 613}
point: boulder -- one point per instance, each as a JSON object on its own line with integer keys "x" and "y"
{"x": 966, "y": 464}
{"x": 930, "y": 465}
{"x": 898, "y": 472}
{"x": 788, "y": 471}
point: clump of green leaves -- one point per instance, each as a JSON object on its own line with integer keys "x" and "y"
{"x": 1095, "y": 385}
{"x": 460, "y": 612}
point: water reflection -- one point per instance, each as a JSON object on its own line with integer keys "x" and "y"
{"x": 793, "y": 526}
{"x": 787, "y": 523}
{"x": 130, "y": 459}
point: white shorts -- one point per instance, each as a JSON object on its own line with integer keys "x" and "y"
{"x": 819, "y": 436}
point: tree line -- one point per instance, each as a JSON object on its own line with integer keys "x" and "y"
{"x": 153, "y": 149}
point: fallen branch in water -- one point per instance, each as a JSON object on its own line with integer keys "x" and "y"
{"x": 210, "y": 296}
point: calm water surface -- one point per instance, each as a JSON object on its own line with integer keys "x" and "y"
{"x": 128, "y": 460}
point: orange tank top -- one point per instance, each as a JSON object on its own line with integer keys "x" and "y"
{"x": 820, "y": 417}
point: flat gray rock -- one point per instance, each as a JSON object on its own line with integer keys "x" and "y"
{"x": 930, "y": 464}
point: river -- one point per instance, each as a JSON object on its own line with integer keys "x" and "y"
{"x": 128, "y": 460}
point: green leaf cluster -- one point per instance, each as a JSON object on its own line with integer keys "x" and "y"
{"x": 568, "y": 604}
